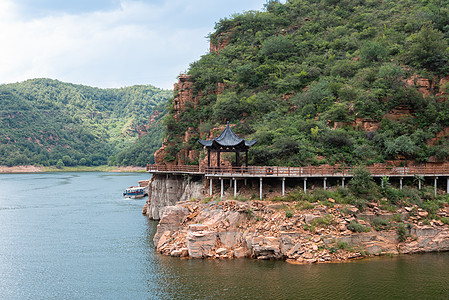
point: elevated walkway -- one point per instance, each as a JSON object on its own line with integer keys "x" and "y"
{"x": 262, "y": 172}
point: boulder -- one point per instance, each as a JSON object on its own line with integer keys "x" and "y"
{"x": 171, "y": 219}
{"x": 200, "y": 243}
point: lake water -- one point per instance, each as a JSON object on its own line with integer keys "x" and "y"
{"x": 73, "y": 236}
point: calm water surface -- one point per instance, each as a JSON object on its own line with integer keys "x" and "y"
{"x": 73, "y": 236}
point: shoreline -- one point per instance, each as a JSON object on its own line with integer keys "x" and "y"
{"x": 37, "y": 169}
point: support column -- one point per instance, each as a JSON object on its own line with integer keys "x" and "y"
{"x": 343, "y": 182}
{"x": 283, "y": 186}
{"x": 230, "y": 183}
{"x": 324, "y": 183}
{"x": 235, "y": 187}
{"x": 436, "y": 185}
{"x": 245, "y": 181}
{"x": 237, "y": 159}
{"x": 447, "y": 186}
{"x": 419, "y": 184}
{"x": 210, "y": 186}
{"x": 221, "y": 192}
{"x": 260, "y": 188}
{"x": 208, "y": 157}
{"x": 218, "y": 159}
{"x": 400, "y": 182}
{"x": 305, "y": 184}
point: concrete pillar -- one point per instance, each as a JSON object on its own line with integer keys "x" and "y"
{"x": 324, "y": 183}
{"x": 235, "y": 187}
{"x": 400, "y": 183}
{"x": 260, "y": 188}
{"x": 210, "y": 186}
{"x": 245, "y": 182}
{"x": 419, "y": 184}
{"x": 221, "y": 192}
{"x": 343, "y": 182}
{"x": 447, "y": 186}
{"x": 436, "y": 185}
{"x": 230, "y": 183}
{"x": 305, "y": 184}
{"x": 381, "y": 183}
{"x": 283, "y": 186}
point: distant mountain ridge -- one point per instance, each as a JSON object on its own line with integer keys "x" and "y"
{"x": 44, "y": 121}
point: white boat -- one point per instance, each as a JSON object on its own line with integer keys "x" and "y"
{"x": 135, "y": 192}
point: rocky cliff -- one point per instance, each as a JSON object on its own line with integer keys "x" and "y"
{"x": 267, "y": 230}
{"x": 167, "y": 190}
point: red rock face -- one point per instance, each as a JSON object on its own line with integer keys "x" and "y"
{"x": 223, "y": 40}
{"x": 184, "y": 95}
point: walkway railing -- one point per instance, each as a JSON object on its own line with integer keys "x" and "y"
{"x": 309, "y": 171}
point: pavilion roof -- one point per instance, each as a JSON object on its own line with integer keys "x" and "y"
{"x": 227, "y": 139}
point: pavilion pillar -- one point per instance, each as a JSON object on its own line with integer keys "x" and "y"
{"x": 435, "y": 188}
{"x": 305, "y": 184}
{"x": 343, "y": 182}
{"x": 246, "y": 158}
{"x": 221, "y": 191}
{"x": 400, "y": 182}
{"x": 260, "y": 188}
{"x": 218, "y": 159}
{"x": 283, "y": 186}
{"x": 210, "y": 186}
{"x": 237, "y": 159}
{"x": 324, "y": 183}
{"x": 208, "y": 157}
{"x": 235, "y": 187}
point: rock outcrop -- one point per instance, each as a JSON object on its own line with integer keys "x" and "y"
{"x": 167, "y": 190}
{"x": 263, "y": 230}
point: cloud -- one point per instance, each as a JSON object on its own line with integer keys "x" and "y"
{"x": 134, "y": 43}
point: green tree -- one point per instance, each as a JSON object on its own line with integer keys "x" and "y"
{"x": 428, "y": 49}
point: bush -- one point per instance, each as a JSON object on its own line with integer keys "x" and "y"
{"x": 362, "y": 183}
{"x": 402, "y": 231}
{"x": 354, "y": 226}
{"x": 380, "y": 223}
{"x": 322, "y": 222}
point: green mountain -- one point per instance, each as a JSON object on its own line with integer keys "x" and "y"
{"x": 325, "y": 81}
{"x": 45, "y": 121}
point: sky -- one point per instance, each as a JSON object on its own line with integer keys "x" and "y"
{"x": 108, "y": 43}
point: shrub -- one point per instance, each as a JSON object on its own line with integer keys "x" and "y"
{"x": 380, "y": 223}
{"x": 362, "y": 184}
{"x": 304, "y": 205}
{"x": 402, "y": 231}
{"x": 354, "y": 226}
{"x": 322, "y": 222}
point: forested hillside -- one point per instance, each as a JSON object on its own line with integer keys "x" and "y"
{"x": 326, "y": 81}
{"x": 48, "y": 122}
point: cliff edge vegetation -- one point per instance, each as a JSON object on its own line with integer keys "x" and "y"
{"x": 321, "y": 82}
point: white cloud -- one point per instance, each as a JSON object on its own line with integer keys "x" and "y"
{"x": 137, "y": 43}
